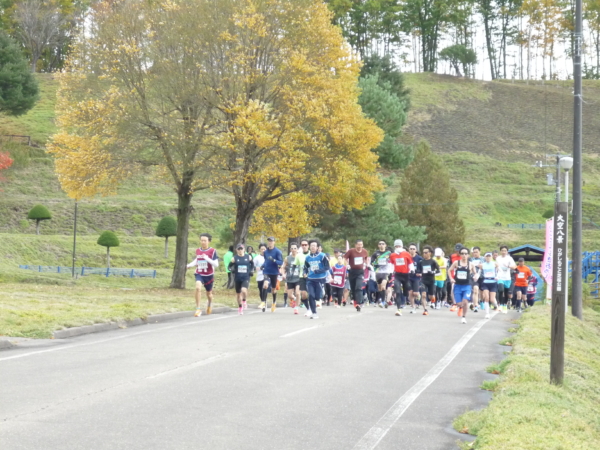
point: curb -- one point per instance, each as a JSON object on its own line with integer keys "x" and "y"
{"x": 5, "y": 343}
{"x": 99, "y": 327}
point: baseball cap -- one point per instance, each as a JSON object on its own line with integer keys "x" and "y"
{"x": 240, "y": 246}
{"x": 337, "y": 250}
{"x": 521, "y": 259}
{"x": 398, "y": 243}
{"x": 271, "y": 238}
{"x": 438, "y": 252}
{"x": 488, "y": 253}
{"x": 457, "y": 247}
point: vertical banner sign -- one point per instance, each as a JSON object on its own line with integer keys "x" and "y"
{"x": 559, "y": 276}
{"x": 547, "y": 262}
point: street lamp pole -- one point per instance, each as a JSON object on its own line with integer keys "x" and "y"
{"x": 577, "y": 308}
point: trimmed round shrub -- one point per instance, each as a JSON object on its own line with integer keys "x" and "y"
{"x": 167, "y": 227}
{"x": 39, "y": 213}
{"x": 108, "y": 239}
{"x": 548, "y": 214}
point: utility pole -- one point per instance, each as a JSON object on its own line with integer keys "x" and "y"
{"x": 74, "y": 239}
{"x": 576, "y": 255}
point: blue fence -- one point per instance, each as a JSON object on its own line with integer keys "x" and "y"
{"x": 82, "y": 271}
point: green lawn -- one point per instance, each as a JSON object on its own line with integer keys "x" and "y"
{"x": 529, "y": 413}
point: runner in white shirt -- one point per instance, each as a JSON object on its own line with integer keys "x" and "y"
{"x": 505, "y": 263}
{"x": 259, "y": 261}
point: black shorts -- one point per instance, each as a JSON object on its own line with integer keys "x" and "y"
{"x": 521, "y": 289}
{"x": 415, "y": 285}
{"x": 382, "y": 276}
{"x": 293, "y": 286}
{"x": 241, "y": 284}
{"x": 303, "y": 285}
{"x": 429, "y": 286}
{"x": 401, "y": 280}
{"x": 492, "y": 287}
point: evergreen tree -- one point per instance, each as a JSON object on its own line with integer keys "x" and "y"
{"x": 389, "y": 113}
{"x": 108, "y": 239}
{"x": 39, "y": 213}
{"x": 372, "y": 223}
{"x": 388, "y": 72}
{"x": 18, "y": 87}
{"x": 427, "y": 199}
{"x": 166, "y": 228}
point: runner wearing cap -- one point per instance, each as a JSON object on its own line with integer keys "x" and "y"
{"x": 461, "y": 274}
{"x": 357, "y": 258}
{"x": 489, "y": 283}
{"x": 505, "y": 264}
{"x": 291, "y": 273}
{"x": 273, "y": 261}
{"x": 383, "y": 269}
{"x": 426, "y": 270}
{"x": 241, "y": 267}
{"x": 205, "y": 262}
{"x": 338, "y": 279}
{"x": 522, "y": 282}
{"x": 259, "y": 262}
{"x": 403, "y": 264}
{"x": 453, "y": 258}
{"x": 441, "y": 277}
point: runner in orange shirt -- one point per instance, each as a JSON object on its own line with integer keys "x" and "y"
{"x": 521, "y": 282}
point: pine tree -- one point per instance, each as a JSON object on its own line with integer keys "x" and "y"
{"x": 427, "y": 199}
{"x": 18, "y": 87}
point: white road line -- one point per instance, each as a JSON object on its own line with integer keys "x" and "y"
{"x": 374, "y": 436}
{"x": 188, "y": 366}
{"x": 124, "y": 336}
{"x": 299, "y": 331}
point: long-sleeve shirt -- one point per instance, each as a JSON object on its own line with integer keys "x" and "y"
{"x": 206, "y": 261}
{"x": 273, "y": 261}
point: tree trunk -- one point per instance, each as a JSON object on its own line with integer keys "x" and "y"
{"x": 108, "y": 257}
{"x": 457, "y": 68}
{"x": 184, "y": 209}
{"x": 243, "y": 216}
{"x": 37, "y": 226}
{"x": 166, "y": 246}
{"x": 489, "y": 44}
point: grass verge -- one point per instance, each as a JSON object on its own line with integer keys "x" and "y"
{"x": 527, "y": 412}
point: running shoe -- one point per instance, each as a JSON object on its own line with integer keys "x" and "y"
{"x": 344, "y": 303}
{"x": 381, "y": 304}
{"x": 293, "y": 303}
{"x": 386, "y": 305}
{"x": 357, "y": 307}
{"x": 438, "y": 306}
{"x": 460, "y": 312}
{"x": 476, "y": 309}
{"x": 487, "y": 316}
{"x": 244, "y": 304}
{"x": 425, "y": 313}
{"x": 273, "y": 307}
{"x": 463, "y": 320}
{"x": 308, "y": 313}
{"x": 295, "y": 310}
{"x": 198, "y": 312}
{"x": 337, "y": 306}
{"x": 262, "y": 306}
{"x": 240, "y": 310}
{"x": 412, "y": 311}
{"x": 208, "y": 310}
{"x": 314, "y": 316}
{"x": 505, "y": 310}
{"x": 398, "y": 312}
{"x": 320, "y": 304}
{"x": 519, "y": 310}
{"x": 453, "y": 308}
{"x": 471, "y": 306}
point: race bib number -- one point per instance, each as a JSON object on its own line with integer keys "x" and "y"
{"x": 529, "y": 288}
{"x": 426, "y": 269}
{"x": 295, "y": 272}
{"x": 504, "y": 269}
{"x": 489, "y": 274}
{"x": 202, "y": 265}
{"x": 400, "y": 261}
{"x": 521, "y": 275}
{"x": 461, "y": 275}
{"x": 337, "y": 280}
{"x": 358, "y": 261}
{"x": 314, "y": 265}
{"x": 242, "y": 269}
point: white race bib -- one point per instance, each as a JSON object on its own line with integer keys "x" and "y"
{"x": 461, "y": 275}
{"x": 426, "y": 269}
{"x": 242, "y": 269}
{"x": 399, "y": 261}
{"x": 489, "y": 274}
{"x": 521, "y": 275}
{"x": 202, "y": 265}
{"x": 314, "y": 265}
{"x": 529, "y": 288}
{"x": 358, "y": 261}
{"x": 337, "y": 280}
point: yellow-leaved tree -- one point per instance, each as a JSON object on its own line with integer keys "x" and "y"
{"x": 254, "y": 97}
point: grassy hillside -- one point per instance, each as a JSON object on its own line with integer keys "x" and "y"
{"x": 487, "y": 133}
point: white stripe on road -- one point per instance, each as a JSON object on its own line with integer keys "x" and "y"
{"x": 83, "y": 344}
{"x": 374, "y": 436}
{"x": 188, "y": 366}
{"x": 299, "y": 331}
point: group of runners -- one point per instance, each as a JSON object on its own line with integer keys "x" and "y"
{"x": 390, "y": 277}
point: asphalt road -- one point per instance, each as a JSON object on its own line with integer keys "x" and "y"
{"x": 260, "y": 381}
